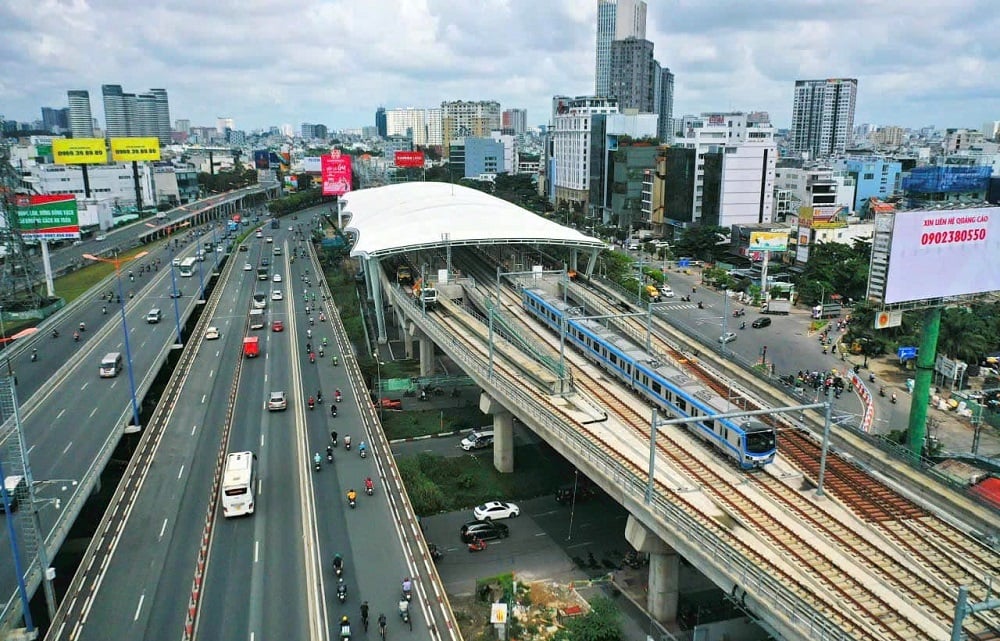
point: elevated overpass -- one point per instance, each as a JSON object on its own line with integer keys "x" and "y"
{"x": 782, "y": 546}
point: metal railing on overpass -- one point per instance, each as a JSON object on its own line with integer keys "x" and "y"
{"x": 692, "y": 538}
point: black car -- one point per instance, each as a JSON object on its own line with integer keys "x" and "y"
{"x": 583, "y": 492}
{"x": 763, "y": 321}
{"x": 483, "y": 530}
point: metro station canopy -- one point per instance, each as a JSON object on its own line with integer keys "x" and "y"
{"x": 418, "y": 215}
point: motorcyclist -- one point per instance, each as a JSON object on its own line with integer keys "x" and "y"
{"x": 333, "y": 412}
{"x": 369, "y": 486}
{"x": 329, "y": 450}
{"x": 333, "y": 433}
{"x": 335, "y": 361}
{"x": 317, "y": 459}
{"x": 312, "y": 402}
{"x": 337, "y": 396}
{"x": 309, "y": 333}
{"x": 341, "y": 589}
{"x": 352, "y": 495}
{"x": 104, "y": 309}
{"x": 83, "y": 326}
{"x": 338, "y": 562}
{"x": 319, "y": 396}
{"x": 381, "y": 622}
{"x": 345, "y": 627}
{"x": 76, "y": 336}
{"x": 34, "y": 353}
{"x": 362, "y": 448}
{"x": 324, "y": 340}
{"x": 322, "y": 316}
{"x": 321, "y": 351}
{"x": 55, "y": 333}
{"x": 364, "y": 614}
{"x": 347, "y": 441}
{"x": 407, "y": 587}
{"x": 743, "y": 325}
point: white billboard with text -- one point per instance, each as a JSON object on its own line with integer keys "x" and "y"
{"x": 936, "y": 254}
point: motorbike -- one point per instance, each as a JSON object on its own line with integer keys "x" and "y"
{"x": 104, "y": 309}
{"x": 871, "y": 378}
{"x": 369, "y": 489}
{"x": 436, "y": 553}
{"x": 893, "y": 399}
{"x": 83, "y": 327}
{"x": 335, "y": 361}
{"x": 423, "y": 395}
{"x": 347, "y": 443}
{"x": 329, "y": 455}
{"x": 338, "y": 396}
{"x": 312, "y": 357}
{"x": 34, "y": 355}
{"x": 363, "y": 451}
{"x": 76, "y": 336}
{"x": 311, "y": 320}
{"x": 701, "y": 305}
{"x": 341, "y": 591}
{"x": 55, "y": 333}
{"x": 407, "y": 590}
{"x": 309, "y": 333}
{"x": 881, "y": 392}
{"x": 352, "y": 501}
{"x": 404, "y": 611}
{"x": 312, "y": 403}
{"x": 319, "y": 397}
{"x": 316, "y": 463}
{"x": 477, "y": 545}
{"x": 333, "y": 411}
{"x": 321, "y": 351}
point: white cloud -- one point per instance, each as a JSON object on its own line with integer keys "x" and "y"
{"x": 335, "y": 61}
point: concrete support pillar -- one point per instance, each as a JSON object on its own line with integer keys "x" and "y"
{"x": 664, "y": 570}
{"x": 408, "y": 330}
{"x": 574, "y": 260}
{"x": 592, "y": 262}
{"x": 503, "y": 434}
{"x": 426, "y": 356}
{"x": 374, "y": 273}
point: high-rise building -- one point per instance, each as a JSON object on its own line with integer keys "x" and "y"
{"x": 569, "y": 167}
{"x": 182, "y": 125}
{"x": 408, "y": 121}
{"x": 460, "y": 118}
{"x": 81, "y": 122}
{"x": 435, "y": 136}
{"x": 630, "y": 20}
{"x": 823, "y": 116}
{"x": 634, "y": 75}
{"x": 128, "y": 114}
{"x": 514, "y": 120}
{"x": 665, "y": 130}
{"x": 380, "y": 122}
{"x": 162, "y": 115}
{"x": 224, "y": 122}
{"x": 616, "y": 20}
{"x": 308, "y": 133}
{"x": 55, "y": 120}
{"x": 117, "y": 123}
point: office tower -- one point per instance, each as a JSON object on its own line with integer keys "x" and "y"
{"x": 823, "y": 116}
{"x": 616, "y": 20}
{"x": 665, "y": 130}
{"x": 145, "y": 121}
{"x": 573, "y": 146}
{"x": 630, "y": 20}
{"x": 55, "y": 120}
{"x": 117, "y": 104}
{"x": 308, "y": 131}
{"x": 224, "y": 122}
{"x": 468, "y": 118}
{"x": 162, "y": 115}
{"x": 81, "y": 122}
{"x": 633, "y": 75}
{"x": 515, "y": 120}
{"x": 380, "y": 122}
{"x": 183, "y": 125}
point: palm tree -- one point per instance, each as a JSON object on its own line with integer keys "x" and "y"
{"x": 963, "y": 335}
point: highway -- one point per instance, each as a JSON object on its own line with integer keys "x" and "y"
{"x": 71, "y": 413}
{"x": 268, "y": 575}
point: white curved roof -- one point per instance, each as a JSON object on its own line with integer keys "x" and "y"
{"x": 414, "y": 215}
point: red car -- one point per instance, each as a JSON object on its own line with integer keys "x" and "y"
{"x": 391, "y": 404}
{"x": 278, "y": 326}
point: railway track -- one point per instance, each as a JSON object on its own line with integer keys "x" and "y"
{"x": 945, "y": 556}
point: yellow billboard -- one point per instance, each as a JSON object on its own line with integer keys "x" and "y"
{"x": 770, "y": 241}
{"x": 79, "y": 151}
{"x": 126, "y": 149}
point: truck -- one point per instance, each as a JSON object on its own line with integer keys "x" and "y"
{"x": 233, "y": 225}
{"x": 826, "y": 310}
{"x": 652, "y": 293}
{"x": 777, "y": 306}
{"x": 263, "y": 273}
{"x": 251, "y": 346}
{"x": 274, "y": 223}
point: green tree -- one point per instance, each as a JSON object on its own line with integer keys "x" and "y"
{"x": 963, "y": 335}
{"x": 703, "y": 242}
{"x": 602, "y": 623}
{"x": 835, "y": 268}
{"x": 304, "y": 181}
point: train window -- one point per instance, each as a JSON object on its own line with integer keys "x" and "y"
{"x": 656, "y": 388}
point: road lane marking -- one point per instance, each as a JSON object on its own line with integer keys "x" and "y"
{"x": 211, "y": 373}
{"x": 60, "y": 414}
{"x": 68, "y": 445}
{"x": 194, "y": 428}
{"x": 541, "y": 534}
{"x": 84, "y": 386}
{"x": 534, "y": 516}
{"x": 138, "y": 608}
{"x": 163, "y": 528}
{"x": 262, "y": 441}
{"x": 203, "y": 399}
{"x": 578, "y": 545}
{"x": 256, "y": 551}
{"x": 92, "y": 412}
{"x": 180, "y": 471}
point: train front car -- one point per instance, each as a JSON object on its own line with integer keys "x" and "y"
{"x": 760, "y": 444}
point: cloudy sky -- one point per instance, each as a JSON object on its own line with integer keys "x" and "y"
{"x": 264, "y": 62}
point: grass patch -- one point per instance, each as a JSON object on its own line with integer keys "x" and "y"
{"x": 445, "y": 484}
{"x": 75, "y": 284}
{"x": 409, "y": 424}
{"x": 401, "y": 369}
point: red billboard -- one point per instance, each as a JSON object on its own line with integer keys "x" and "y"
{"x": 410, "y": 159}
{"x": 335, "y": 169}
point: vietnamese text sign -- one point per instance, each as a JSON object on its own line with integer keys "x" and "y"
{"x": 935, "y": 254}
{"x": 769, "y": 241}
{"x": 48, "y": 217}
{"x": 141, "y": 149}
{"x": 409, "y": 159}
{"x": 336, "y": 174}
{"x": 79, "y": 151}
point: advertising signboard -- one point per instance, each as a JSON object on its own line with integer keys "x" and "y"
{"x": 79, "y": 151}
{"x": 936, "y": 254}
{"x": 311, "y": 164}
{"x": 48, "y": 217}
{"x": 141, "y": 149}
{"x": 261, "y": 159}
{"x": 410, "y": 159}
{"x": 768, "y": 241}
{"x": 336, "y": 174}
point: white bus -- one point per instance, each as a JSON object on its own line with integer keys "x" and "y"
{"x": 238, "y": 484}
{"x": 187, "y": 267}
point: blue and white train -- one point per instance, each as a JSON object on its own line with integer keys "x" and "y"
{"x": 751, "y": 444}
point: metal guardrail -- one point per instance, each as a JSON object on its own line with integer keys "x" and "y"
{"x": 700, "y": 542}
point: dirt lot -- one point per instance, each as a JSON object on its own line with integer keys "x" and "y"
{"x": 538, "y": 613}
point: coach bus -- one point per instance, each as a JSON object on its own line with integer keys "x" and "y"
{"x": 237, "y": 484}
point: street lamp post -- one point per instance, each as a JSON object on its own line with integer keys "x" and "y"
{"x": 117, "y": 262}
{"x": 174, "y": 297}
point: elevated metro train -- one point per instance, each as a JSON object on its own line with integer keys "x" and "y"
{"x": 751, "y": 444}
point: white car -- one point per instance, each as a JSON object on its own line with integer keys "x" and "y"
{"x": 212, "y": 333}
{"x": 277, "y": 401}
{"x": 268, "y": 240}
{"x": 728, "y": 337}
{"x": 666, "y": 292}
{"x": 247, "y": 267}
{"x": 495, "y": 510}
{"x": 290, "y": 228}
{"x": 276, "y": 278}
{"x": 277, "y": 295}
{"x": 101, "y": 238}
{"x": 176, "y": 262}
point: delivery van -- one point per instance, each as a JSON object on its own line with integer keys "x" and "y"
{"x": 111, "y": 364}
{"x": 251, "y": 346}
{"x": 17, "y": 490}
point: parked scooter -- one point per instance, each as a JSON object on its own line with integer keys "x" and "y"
{"x": 477, "y": 545}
